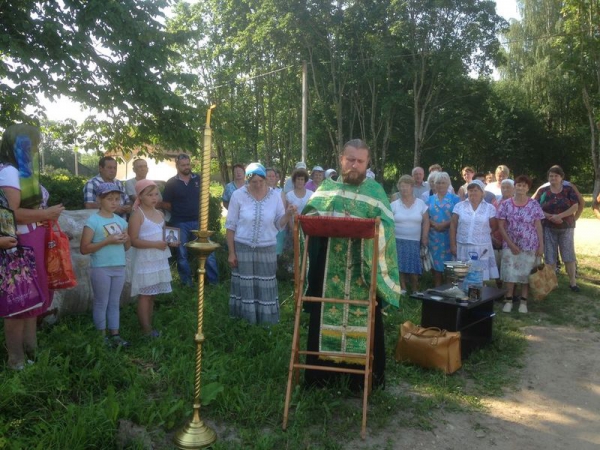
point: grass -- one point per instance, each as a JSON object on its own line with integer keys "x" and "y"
{"x": 81, "y": 395}
{"x": 588, "y": 213}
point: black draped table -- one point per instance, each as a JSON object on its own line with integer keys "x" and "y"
{"x": 474, "y": 319}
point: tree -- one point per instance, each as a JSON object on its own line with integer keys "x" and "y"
{"x": 445, "y": 40}
{"x": 241, "y": 56}
{"x": 546, "y": 71}
{"x": 581, "y": 49}
{"x": 110, "y": 55}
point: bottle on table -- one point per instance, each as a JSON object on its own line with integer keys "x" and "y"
{"x": 473, "y": 283}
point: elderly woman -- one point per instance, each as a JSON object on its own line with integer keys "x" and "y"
{"x": 256, "y": 214}
{"x": 473, "y": 221}
{"x": 440, "y": 206}
{"x": 411, "y": 218}
{"x": 559, "y": 203}
{"x": 316, "y": 178}
{"x": 502, "y": 173}
{"x": 508, "y": 190}
{"x": 20, "y": 331}
{"x": 239, "y": 180}
{"x": 300, "y": 194}
{"x": 298, "y": 197}
{"x": 331, "y": 174}
{"x": 428, "y": 193}
{"x": 467, "y": 173}
{"x": 520, "y": 223}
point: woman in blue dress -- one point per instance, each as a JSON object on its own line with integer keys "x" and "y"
{"x": 440, "y": 206}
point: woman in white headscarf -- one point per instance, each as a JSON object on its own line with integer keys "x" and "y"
{"x": 473, "y": 221}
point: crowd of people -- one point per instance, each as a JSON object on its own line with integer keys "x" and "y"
{"x": 493, "y": 217}
{"x": 130, "y": 214}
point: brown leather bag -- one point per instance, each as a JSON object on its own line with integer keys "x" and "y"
{"x": 431, "y": 348}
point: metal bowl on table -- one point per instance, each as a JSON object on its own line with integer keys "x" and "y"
{"x": 456, "y": 271}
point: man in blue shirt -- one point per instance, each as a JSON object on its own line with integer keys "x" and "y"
{"x": 181, "y": 197}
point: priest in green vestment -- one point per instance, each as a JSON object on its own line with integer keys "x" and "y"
{"x": 341, "y": 268}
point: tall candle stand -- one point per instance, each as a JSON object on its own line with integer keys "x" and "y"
{"x": 196, "y": 434}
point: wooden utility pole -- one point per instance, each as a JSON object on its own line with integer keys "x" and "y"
{"x": 304, "y": 108}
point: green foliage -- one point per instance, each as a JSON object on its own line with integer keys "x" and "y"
{"x": 65, "y": 189}
{"x": 79, "y": 391}
{"x": 113, "y": 56}
{"x": 214, "y": 214}
{"x": 68, "y": 190}
{"x": 551, "y": 71}
{"x": 397, "y": 74}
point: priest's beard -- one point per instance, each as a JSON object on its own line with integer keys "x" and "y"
{"x": 354, "y": 177}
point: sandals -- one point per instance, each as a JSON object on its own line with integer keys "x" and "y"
{"x": 115, "y": 340}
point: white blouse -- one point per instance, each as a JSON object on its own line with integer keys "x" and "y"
{"x": 408, "y": 220}
{"x": 494, "y": 189}
{"x": 299, "y": 203}
{"x": 474, "y": 225}
{"x": 255, "y": 223}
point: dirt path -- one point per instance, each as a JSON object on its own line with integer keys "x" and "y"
{"x": 587, "y": 237}
{"x": 556, "y": 406}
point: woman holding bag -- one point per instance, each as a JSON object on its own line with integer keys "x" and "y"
{"x": 520, "y": 223}
{"x": 19, "y": 180}
{"x": 560, "y": 204}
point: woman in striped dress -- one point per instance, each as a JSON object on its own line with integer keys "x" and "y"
{"x": 256, "y": 214}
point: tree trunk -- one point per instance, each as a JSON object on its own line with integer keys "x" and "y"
{"x": 594, "y": 144}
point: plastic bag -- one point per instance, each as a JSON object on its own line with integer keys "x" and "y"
{"x": 58, "y": 259}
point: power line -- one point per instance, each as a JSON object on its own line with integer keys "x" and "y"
{"x": 210, "y": 88}
{"x": 397, "y": 56}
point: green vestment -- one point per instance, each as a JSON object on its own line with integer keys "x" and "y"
{"x": 348, "y": 263}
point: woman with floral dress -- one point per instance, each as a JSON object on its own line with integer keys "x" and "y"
{"x": 440, "y": 206}
{"x": 520, "y": 223}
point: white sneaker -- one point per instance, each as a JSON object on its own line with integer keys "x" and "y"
{"x": 523, "y": 307}
{"x": 402, "y": 291}
{"x": 507, "y": 306}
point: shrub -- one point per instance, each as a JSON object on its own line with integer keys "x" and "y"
{"x": 214, "y": 214}
{"x": 64, "y": 189}
{"x": 68, "y": 190}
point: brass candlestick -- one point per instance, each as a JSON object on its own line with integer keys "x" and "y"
{"x": 196, "y": 434}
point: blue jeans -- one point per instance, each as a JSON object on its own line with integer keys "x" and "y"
{"x": 183, "y": 265}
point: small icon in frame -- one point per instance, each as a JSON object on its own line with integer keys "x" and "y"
{"x": 8, "y": 224}
{"x": 171, "y": 235}
{"x": 112, "y": 228}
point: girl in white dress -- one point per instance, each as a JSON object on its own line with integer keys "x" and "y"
{"x": 151, "y": 272}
